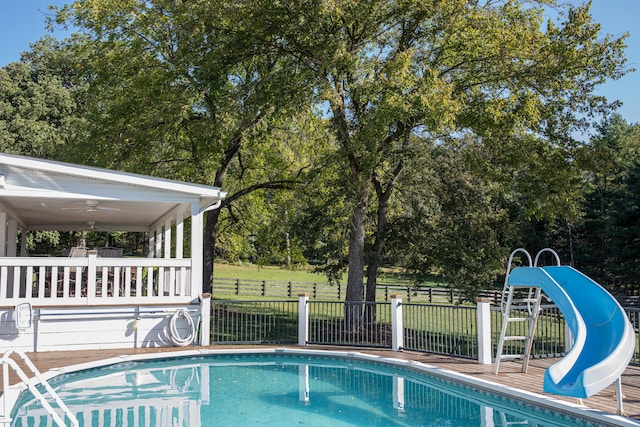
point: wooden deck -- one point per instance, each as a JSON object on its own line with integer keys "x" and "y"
{"x": 509, "y": 375}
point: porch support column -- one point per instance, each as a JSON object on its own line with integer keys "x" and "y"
{"x": 182, "y": 287}
{"x": 196, "y": 273}
{"x": 158, "y": 249}
{"x": 12, "y": 237}
{"x": 152, "y": 244}
{"x": 3, "y": 234}
{"x": 167, "y": 238}
{"x": 196, "y": 249}
{"x": 180, "y": 235}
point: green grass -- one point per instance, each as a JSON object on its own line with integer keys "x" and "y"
{"x": 274, "y": 273}
{"x": 269, "y": 273}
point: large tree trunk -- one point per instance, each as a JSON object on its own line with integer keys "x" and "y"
{"x": 375, "y": 258}
{"x": 355, "y": 274}
{"x": 209, "y": 247}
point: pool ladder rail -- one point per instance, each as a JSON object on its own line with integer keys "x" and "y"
{"x": 31, "y": 383}
{"x": 520, "y": 298}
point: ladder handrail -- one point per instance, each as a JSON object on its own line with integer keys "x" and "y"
{"x": 555, "y": 254}
{"x": 8, "y": 361}
{"x": 506, "y": 276}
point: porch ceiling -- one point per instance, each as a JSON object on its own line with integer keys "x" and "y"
{"x": 46, "y": 195}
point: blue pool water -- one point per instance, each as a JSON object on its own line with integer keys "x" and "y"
{"x": 274, "y": 389}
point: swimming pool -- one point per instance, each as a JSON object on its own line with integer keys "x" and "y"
{"x": 286, "y": 387}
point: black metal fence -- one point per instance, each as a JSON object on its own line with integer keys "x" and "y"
{"x": 549, "y": 339}
{"x": 254, "y": 322}
{"x": 433, "y": 328}
{"x": 441, "y": 329}
{"x": 356, "y": 324}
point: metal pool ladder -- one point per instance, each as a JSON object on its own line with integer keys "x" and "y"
{"x": 7, "y": 362}
{"x": 520, "y": 298}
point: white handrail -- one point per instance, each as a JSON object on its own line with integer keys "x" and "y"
{"x": 554, "y": 253}
{"x": 8, "y": 361}
{"x": 505, "y": 288}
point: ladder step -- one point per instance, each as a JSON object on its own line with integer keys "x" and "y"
{"x": 518, "y": 319}
{"x": 515, "y": 338}
{"x": 519, "y": 300}
{"x": 511, "y": 356}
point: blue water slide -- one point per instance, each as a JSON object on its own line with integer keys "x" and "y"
{"x": 604, "y": 341}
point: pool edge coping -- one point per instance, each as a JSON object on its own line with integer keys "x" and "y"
{"x": 581, "y": 411}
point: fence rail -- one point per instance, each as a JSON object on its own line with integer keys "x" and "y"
{"x": 227, "y": 288}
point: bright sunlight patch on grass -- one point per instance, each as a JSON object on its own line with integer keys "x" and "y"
{"x": 274, "y": 273}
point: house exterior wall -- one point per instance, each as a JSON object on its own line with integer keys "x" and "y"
{"x": 90, "y": 328}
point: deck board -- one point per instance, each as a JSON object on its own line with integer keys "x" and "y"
{"x": 509, "y": 374}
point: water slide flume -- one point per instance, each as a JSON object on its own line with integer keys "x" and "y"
{"x": 604, "y": 340}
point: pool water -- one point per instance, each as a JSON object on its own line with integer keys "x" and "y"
{"x": 274, "y": 389}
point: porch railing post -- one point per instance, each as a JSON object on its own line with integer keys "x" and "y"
{"x": 92, "y": 257}
{"x": 205, "y": 319}
{"x": 303, "y": 319}
{"x": 484, "y": 331}
{"x": 397, "y": 328}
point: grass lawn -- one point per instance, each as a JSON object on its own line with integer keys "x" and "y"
{"x": 274, "y": 273}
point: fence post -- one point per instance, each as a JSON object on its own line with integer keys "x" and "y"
{"x": 303, "y": 319}
{"x": 397, "y": 329}
{"x": 205, "y": 319}
{"x": 264, "y": 288}
{"x": 484, "y": 331}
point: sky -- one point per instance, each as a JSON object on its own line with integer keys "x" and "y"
{"x": 22, "y": 22}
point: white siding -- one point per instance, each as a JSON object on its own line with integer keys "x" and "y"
{"x": 93, "y": 328}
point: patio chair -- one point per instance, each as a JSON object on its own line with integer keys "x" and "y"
{"x": 74, "y": 252}
{"x": 110, "y": 252}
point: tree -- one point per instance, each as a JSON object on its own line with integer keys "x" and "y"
{"x": 174, "y": 95}
{"x": 384, "y": 70}
{"x": 38, "y": 103}
{"x": 608, "y": 234}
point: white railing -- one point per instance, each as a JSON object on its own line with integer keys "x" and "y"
{"x": 7, "y": 362}
{"x": 95, "y": 281}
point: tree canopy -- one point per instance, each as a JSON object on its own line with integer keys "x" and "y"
{"x": 422, "y": 134}
{"x": 386, "y": 70}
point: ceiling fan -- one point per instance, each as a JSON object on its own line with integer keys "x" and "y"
{"x": 92, "y": 206}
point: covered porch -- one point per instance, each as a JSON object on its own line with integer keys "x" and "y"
{"x": 96, "y": 283}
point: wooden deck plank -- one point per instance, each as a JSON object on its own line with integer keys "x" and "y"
{"x": 509, "y": 374}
